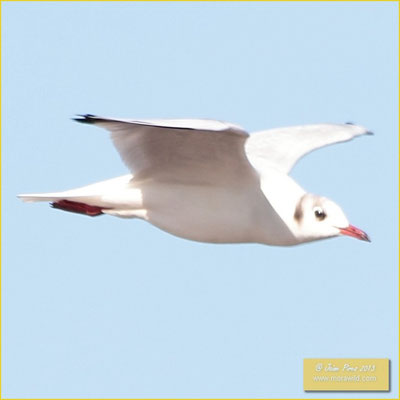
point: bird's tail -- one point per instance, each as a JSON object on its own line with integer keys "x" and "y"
{"x": 88, "y": 205}
{"x": 92, "y": 200}
{"x": 35, "y": 197}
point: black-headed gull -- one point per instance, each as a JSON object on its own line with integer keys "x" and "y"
{"x": 211, "y": 181}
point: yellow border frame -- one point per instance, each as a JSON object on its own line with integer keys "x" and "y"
{"x": 267, "y": 398}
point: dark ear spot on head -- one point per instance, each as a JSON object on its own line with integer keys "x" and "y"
{"x": 298, "y": 212}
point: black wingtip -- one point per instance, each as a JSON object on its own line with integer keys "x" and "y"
{"x": 85, "y": 118}
{"x": 367, "y": 132}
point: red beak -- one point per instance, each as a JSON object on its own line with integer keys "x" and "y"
{"x": 355, "y": 232}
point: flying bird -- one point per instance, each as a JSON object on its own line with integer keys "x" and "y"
{"x": 211, "y": 181}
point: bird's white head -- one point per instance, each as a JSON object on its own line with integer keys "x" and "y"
{"x": 318, "y": 218}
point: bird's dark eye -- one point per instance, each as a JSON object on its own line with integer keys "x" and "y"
{"x": 319, "y": 213}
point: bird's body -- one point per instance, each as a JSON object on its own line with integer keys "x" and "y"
{"x": 211, "y": 182}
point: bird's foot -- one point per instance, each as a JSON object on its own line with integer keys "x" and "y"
{"x": 80, "y": 208}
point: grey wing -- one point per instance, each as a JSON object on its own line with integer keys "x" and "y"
{"x": 184, "y": 151}
{"x": 281, "y": 148}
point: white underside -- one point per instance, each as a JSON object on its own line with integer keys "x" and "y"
{"x": 203, "y": 213}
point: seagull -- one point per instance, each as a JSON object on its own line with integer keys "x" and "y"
{"x": 210, "y": 181}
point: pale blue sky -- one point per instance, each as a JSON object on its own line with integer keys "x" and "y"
{"x": 103, "y": 307}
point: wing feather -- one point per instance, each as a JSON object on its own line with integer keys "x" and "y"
{"x": 185, "y": 151}
{"x": 281, "y": 148}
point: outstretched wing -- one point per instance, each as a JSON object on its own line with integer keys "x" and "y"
{"x": 281, "y": 148}
{"x": 184, "y": 151}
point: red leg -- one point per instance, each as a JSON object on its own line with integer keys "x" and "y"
{"x": 80, "y": 208}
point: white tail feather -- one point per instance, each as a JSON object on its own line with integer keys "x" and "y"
{"x": 35, "y": 197}
{"x": 113, "y": 193}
